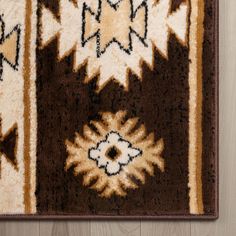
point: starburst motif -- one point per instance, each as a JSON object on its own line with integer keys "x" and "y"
{"x": 111, "y": 157}
{"x": 113, "y": 37}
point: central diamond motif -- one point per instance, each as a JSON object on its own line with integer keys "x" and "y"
{"x": 114, "y": 152}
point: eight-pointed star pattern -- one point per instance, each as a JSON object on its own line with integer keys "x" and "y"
{"x": 113, "y": 36}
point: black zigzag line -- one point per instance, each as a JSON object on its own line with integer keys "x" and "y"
{"x": 97, "y": 16}
{"x": 2, "y": 29}
{"x": 1, "y": 41}
{"x": 134, "y": 13}
{"x": 113, "y": 40}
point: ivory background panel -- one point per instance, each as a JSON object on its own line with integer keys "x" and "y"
{"x": 226, "y": 223}
{"x": 11, "y": 112}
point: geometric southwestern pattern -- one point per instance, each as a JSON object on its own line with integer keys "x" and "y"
{"x": 108, "y": 108}
{"x": 125, "y": 32}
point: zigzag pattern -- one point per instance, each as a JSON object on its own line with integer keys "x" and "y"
{"x": 96, "y": 24}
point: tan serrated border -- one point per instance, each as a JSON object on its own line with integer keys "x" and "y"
{"x": 30, "y": 123}
{"x": 196, "y": 33}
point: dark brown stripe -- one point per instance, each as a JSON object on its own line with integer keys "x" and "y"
{"x": 210, "y": 108}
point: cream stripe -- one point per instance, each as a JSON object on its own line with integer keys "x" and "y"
{"x": 33, "y": 110}
{"x": 11, "y": 112}
{"x": 195, "y": 106}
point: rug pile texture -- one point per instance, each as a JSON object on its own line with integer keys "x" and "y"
{"x": 108, "y": 108}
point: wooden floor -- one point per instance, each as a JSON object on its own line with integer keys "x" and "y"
{"x": 226, "y": 225}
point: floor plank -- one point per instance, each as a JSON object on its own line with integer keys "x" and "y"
{"x": 2, "y": 228}
{"x": 166, "y": 228}
{"x": 117, "y": 228}
{"x": 19, "y": 228}
{"x": 226, "y": 223}
{"x": 65, "y": 228}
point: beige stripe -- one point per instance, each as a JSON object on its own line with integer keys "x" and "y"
{"x": 195, "y": 106}
{"x": 33, "y": 109}
{"x": 27, "y": 71}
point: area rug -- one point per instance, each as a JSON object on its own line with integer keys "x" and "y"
{"x": 108, "y": 109}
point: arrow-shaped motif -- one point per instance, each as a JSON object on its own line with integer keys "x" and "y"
{"x": 8, "y": 145}
{"x": 9, "y": 46}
